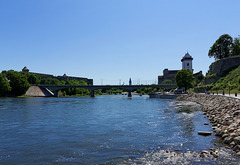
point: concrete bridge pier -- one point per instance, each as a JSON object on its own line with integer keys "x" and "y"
{"x": 56, "y": 93}
{"x": 129, "y": 93}
{"x": 92, "y": 93}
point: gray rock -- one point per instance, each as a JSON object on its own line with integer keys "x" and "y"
{"x": 236, "y": 148}
{"x": 204, "y": 154}
{"x": 228, "y": 140}
{"x": 219, "y": 132}
{"x": 233, "y": 135}
{"x": 225, "y": 135}
{"x": 238, "y": 153}
{"x": 232, "y": 144}
{"x": 237, "y": 140}
{"x": 214, "y": 124}
{"x": 236, "y": 113}
{"x": 231, "y": 130}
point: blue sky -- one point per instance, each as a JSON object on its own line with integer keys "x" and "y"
{"x": 112, "y": 40}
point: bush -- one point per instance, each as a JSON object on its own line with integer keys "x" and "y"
{"x": 211, "y": 75}
{"x": 167, "y": 81}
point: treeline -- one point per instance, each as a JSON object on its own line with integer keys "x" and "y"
{"x": 225, "y": 46}
{"x": 116, "y": 91}
{"x": 13, "y": 83}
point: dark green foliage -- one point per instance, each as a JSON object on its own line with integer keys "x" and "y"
{"x": 236, "y": 47}
{"x": 75, "y": 91}
{"x": 114, "y": 91}
{"x": 222, "y": 47}
{"x": 184, "y": 78}
{"x": 4, "y": 85}
{"x": 51, "y": 81}
{"x": 146, "y": 90}
{"x": 18, "y": 82}
{"x": 200, "y": 77}
{"x": 167, "y": 82}
{"x": 34, "y": 79}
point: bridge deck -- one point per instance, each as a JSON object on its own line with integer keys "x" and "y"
{"x": 130, "y": 88}
{"x": 94, "y": 87}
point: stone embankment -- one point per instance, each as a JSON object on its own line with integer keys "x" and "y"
{"x": 223, "y": 113}
{"x": 36, "y": 91}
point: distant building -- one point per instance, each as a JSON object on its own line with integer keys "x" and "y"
{"x": 64, "y": 77}
{"x": 170, "y": 74}
{"x": 167, "y": 75}
{"x": 187, "y": 62}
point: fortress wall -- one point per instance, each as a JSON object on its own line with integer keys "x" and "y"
{"x": 221, "y": 66}
{"x": 64, "y": 77}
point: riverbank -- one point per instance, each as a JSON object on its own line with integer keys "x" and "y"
{"x": 223, "y": 113}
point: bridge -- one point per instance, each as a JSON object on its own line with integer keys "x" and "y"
{"x": 129, "y": 88}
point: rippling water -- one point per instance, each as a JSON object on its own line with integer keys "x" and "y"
{"x": 105, "y": 129}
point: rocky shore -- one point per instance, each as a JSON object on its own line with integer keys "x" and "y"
{"x": 223, "y": 113}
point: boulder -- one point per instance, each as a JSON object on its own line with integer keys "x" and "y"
{"x": 233, "y": 135}
{"x": 236, "y": 148}
{"x": 238, "y": 153}
{"x": 219, "y": 132}
{"x": 228, "y": 140}
{"x": 225, "y": 135}
{"x": 232, "y": 144}
{"x": 236, "y": 113}
{"x": 237, "y": 140}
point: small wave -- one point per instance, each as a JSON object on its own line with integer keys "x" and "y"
{"x": 186, "y": 107}
{"x": 168, "y": 156}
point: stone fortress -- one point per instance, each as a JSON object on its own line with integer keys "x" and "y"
{"x": 64, "y": 77}
{"x": 170, "y": 74}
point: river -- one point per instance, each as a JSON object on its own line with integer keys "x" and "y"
{"x": 104, "y": 130}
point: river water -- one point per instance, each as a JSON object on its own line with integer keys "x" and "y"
{"x": 104, "y": 130}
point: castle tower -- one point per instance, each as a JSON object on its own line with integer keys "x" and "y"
{"x": 25, "y": 69}
{"x": 187, "y": 62}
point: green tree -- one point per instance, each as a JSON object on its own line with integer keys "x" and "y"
{"x": 18, "y": 82}
{"x": 4, "y": 85}
{"x": 222, "y": 47}
{"x": 51, "y": 81}
{"x": 184, "y": 78}
{"x": 236, "y": 47}
{"x": 34, "y": 79}
{"x": 76, "y": 91}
